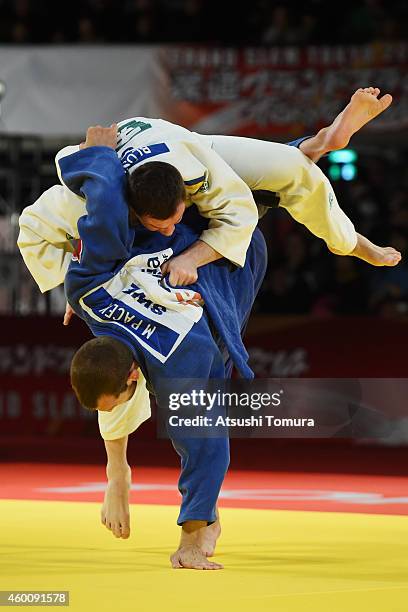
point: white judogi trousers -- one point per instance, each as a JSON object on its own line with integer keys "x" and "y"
{"x": 304, "y": 190}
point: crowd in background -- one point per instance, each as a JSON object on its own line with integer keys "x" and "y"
{"x": 304, "y": 277}
{"x": 153, "y": 21}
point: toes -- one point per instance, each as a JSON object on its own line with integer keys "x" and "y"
{"x": 385, "y": 101}
{"x": 175, "y": 561}
{"x": 178, "y": 562}
{"x": 212, "y": 566}
{"x": 116, "y": 530}
{"x": 205, "y": 565}
{"x": 374, "y": 91}
{"x": 392, "y": 258}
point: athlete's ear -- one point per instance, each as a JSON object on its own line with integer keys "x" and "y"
{"x": 133, "y": 374}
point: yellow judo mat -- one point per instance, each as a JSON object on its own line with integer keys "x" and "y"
{"x": 274, "y": 560}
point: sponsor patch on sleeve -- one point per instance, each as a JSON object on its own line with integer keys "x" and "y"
{"x": 131, "y": 156}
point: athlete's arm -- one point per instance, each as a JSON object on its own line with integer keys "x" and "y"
{"x": 228, "y": 204}
{"x": 115, "y": 509}
{"x": 183, "y": 268}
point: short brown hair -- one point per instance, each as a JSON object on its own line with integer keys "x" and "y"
{"x": 155, "y": 189}
{"x": 100, "y": 367}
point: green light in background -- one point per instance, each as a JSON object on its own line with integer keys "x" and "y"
{"x": 344, "y": 156}
{"x": 348, "y": 172}
{"x": 334, "y": 172}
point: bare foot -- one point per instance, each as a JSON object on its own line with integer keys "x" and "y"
{"x": 362, "y": 108}
{"x": 208, "y": 537}
{"x": 115, "y": 510}
{"x": 373, "y": 254}
{"x": 192, "y": 557}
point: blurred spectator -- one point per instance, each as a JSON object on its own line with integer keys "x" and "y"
{"x": 342, "y": 290}
{"x": 145, "y": 21}
{"x": 289, "y": 287}
{"x": 279, "y": 30}
{"x": 86, "y": 31}
{"x": 364, "y": 22}
{"x": 140, "y": 22}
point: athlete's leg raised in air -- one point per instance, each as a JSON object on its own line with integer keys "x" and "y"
{"x": 364, "y": 106}
{"x": 304, "y": 190}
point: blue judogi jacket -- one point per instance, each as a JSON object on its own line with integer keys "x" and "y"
{"x": 114, "y": 283}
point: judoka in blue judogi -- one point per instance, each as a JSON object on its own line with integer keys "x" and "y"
{"x": 114, "y": 284}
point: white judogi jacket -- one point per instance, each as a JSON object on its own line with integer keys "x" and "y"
{"x": 125, "y": 418}
{"x": 218, "y": 192}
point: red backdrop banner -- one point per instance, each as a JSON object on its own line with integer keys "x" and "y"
{"x": 280, "y": 91}
{"x": 35, "y": 354}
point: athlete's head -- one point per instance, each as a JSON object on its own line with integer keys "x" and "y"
{"x": 103, "y": 373}
{"x": 156, "y": 196}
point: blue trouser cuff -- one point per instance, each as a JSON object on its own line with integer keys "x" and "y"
{"x": 186, "y": 515}
{"x": 204, "y": 463}
{"x": 298, "y": 141}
